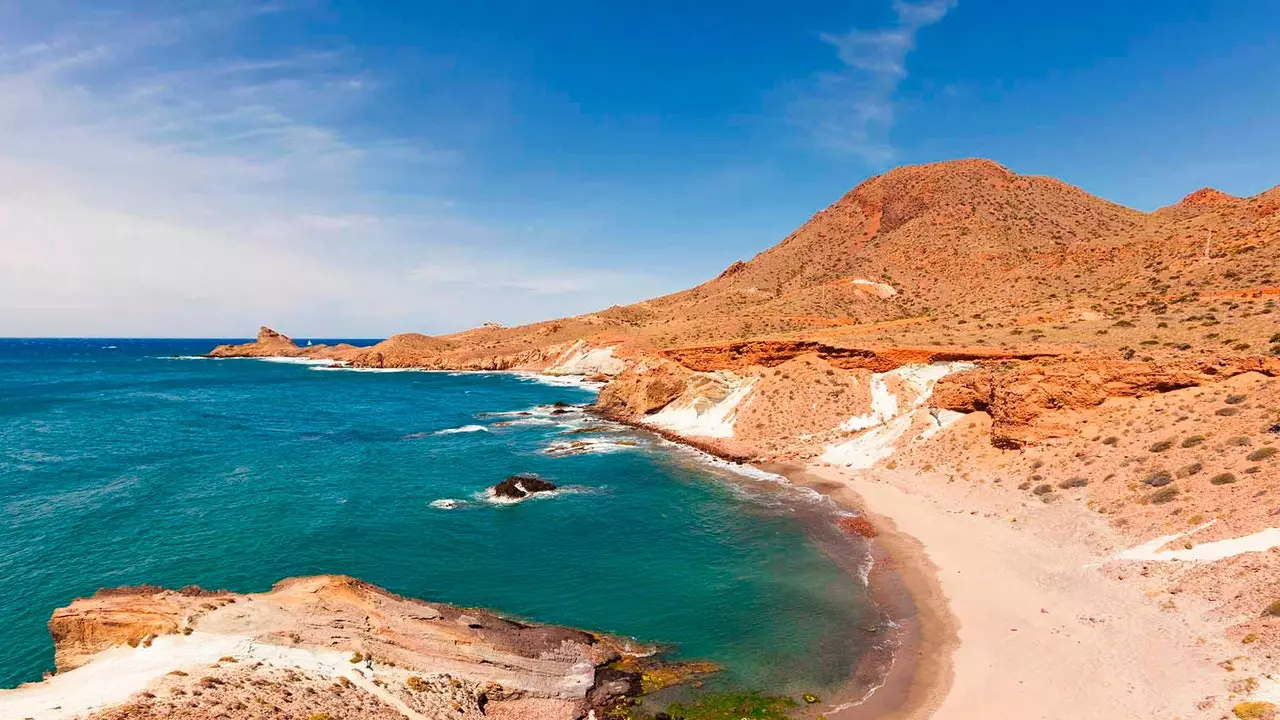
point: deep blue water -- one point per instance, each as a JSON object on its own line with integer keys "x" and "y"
{"x": 122, "y": 465}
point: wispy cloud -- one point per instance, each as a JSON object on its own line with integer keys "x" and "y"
{"x": 150, "y": 184}
{"x": 852, "y": 110}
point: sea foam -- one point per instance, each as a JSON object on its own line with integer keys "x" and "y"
{"x": 463, "y": 429}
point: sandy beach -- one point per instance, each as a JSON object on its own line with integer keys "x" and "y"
{"x": 1012, "y": 615}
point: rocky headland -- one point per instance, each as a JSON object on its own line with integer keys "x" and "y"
{"x": 325, "y": 646}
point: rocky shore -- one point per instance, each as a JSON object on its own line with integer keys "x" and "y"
{"x": 324, "y": 646}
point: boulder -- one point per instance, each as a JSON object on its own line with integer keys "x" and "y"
{"x": 519, "y": 487}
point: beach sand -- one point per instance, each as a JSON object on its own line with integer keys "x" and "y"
{"x": 1009, "y": 616}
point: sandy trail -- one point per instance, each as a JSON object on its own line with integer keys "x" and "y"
{"x": 114, "y": 675}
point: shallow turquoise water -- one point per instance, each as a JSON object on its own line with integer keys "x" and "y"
{"x": 121, "y": 465}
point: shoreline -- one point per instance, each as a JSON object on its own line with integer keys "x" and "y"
{"x": 1010, "y": 615}
{"x": 903, "y": 584}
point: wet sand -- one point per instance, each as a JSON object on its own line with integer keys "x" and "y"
{"x": 903, "y": 584}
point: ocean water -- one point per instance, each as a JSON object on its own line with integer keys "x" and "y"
{"x": 122, "y": 464}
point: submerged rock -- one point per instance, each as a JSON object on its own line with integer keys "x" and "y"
{"x": 518, "y": 487}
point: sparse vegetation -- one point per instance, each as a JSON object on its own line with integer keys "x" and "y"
{"x": 1161, "y": 446}
{"x": 1262, "y": 453}
{"x": 417, "y": 684}
{"x": 356, "y": 657}
{"x": 1255, "y": 711}
{"x": 1225, "y": 478}
{"x": 1075, "y": 482}
{"x": 1193, "y": 441}
{"x": 1189, "y": 470}
{"x": 1159, "y": 478}
{"x": 1163, "y": 495}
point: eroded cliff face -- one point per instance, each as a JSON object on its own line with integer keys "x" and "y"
{"x": 154, "y": 653}
{"x": 1030, "y": 402}
{"x": 771, "y": 353}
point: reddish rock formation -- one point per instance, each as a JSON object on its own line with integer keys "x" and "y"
{"x": 335, "y": 634}
{"x": 642, "y": 389}
{"x": 122, "y": 616}
{"x": 268, "y": 344}
{"x": 771, "y": 353}
{"x": 857, "y": 525}
{"x": 1032, "y": 401}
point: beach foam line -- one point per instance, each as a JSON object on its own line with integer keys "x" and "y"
{"x": 748, "y": 471}
{"x": 463, "y": 429}
{"x": 297, "y": 360}
{"x": 347, "y": 368}
{"x": 588, "y": 446}
{"x": 557, "y": 380}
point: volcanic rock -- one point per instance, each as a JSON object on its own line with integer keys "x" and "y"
{"x": 519, "y": 487}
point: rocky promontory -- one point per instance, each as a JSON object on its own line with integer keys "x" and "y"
{"x": 323, "y": 646}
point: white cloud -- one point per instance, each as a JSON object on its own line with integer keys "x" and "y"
{"x": 852, "y": 110}
{"x": 149, "y": 187}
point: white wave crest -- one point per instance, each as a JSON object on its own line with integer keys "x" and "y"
{"x": 298, "y": 360}
{"x": 446, "y": 503}
{"x": 576, "y": 381}
{"x": 749, "y": 471}
{"x": 589, "y": 445}
{"x": 463, "y": 429}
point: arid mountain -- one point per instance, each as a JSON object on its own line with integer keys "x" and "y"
{"x": 961, "y": 252}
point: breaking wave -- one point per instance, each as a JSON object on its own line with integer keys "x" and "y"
{"x": 463, "y": 429}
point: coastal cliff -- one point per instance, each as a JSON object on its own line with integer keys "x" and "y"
{"x": 328, "y": 646}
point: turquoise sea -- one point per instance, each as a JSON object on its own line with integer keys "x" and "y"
{"x": 123, "y": 463}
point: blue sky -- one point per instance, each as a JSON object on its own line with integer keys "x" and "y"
{"x": 355, "y": 168}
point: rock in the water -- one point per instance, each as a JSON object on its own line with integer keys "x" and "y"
{"x": 518, "y": 487}
{"x": 613, "y": 685}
